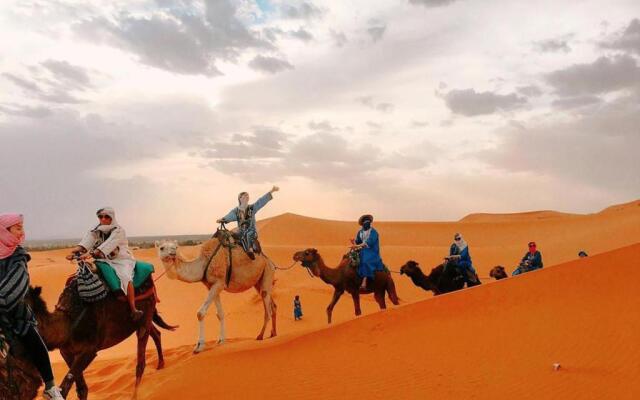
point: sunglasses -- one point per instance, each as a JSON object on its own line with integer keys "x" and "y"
{"x": 104, "y": 216}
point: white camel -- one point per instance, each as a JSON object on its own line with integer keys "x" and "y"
{"x": 210, "y": 268}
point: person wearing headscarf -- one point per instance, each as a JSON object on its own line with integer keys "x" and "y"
{"x": 108, "y": 242}
{"x": 367, "y": 242}
{"x": 297, "y": 308}
{"x": 245, "y": 215}
{"x": 16, "y": 318}
{"x": 459, "y": 256}
{"x": 532, "y": 260}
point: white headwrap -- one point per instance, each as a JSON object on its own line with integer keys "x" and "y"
{"x": 462, "y": 244}
{"x": 110, "y": 212}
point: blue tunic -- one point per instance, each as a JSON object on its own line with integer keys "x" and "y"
{"x": 297, "y": 309}
{"x": 535, "y": 262}
{"x": 250, "y": 224}
{"x": 370, "y": 260}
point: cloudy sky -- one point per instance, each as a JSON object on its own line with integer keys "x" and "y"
{"x": 408, "y": 109}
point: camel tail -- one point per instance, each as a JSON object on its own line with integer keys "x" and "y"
{"x": 157, "y": 319}
{"x": 391, "y": 291}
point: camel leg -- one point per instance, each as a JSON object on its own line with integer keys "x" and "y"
{"x": 157, "y": 340}
{"x": 336, "y": 296}
{"x": 378, "y": 295}
{"x": 80, "y": 363}
{"x": 356, "y": 302}
{"x": 68, "y": 380}
{"x": 274, "y": 310}
{"x": 143, "y": 337}
{"x": 214, "y": 294}
{"x": 266, "y": 302}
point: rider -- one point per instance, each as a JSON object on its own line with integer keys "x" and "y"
{"x": 531, "y": 260}
{"x": 367, "y": 242}
{"x": 15, "y": 315}
{"x": 108, "y": 242}
{"x": 245, "y": 215}
{"x": 460, "y": 257}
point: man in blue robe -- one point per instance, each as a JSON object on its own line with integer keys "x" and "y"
{"x": 245, "y": 215}
{"x": 460, "y": 257}
{"x": 367, "y": 243}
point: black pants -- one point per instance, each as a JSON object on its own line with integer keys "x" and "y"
{"x": 38, "y": 353}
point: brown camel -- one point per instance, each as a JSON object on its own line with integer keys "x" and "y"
{"x": 81, "y": 329}
{"x": 498, "y": 272}
{"x": 440, "y": 280}
{"x": 345, "y": 278}
{"x": 19, "y": 379}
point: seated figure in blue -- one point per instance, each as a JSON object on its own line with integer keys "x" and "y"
{"x": 245, "y": 215}
{"x": 367, "y": 243}
{"x": 532, "y": 260}
{"x": 460, "y": 257}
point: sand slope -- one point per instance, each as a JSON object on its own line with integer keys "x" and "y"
{"x": 578, "y": 314}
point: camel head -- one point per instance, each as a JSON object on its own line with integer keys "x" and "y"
{"x": 411, "y": 269}
{"x": 168, "y": 253}
{"x": 308, "y": 258}
{"x": 498, "y": 272}
{"x": 35, "y": 301}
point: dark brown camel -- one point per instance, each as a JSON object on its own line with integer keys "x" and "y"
{"x": 345, "y": 278}
{"x": 19, "y": 379}
{"x": 498, "y": 272}
{"x": 81, "y": 329}
{"x": 439, "y": 281}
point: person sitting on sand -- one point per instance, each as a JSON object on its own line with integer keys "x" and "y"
{"x": 108, "y": 242}
{"x": 367, "y": 243}
{"x": 16, "y": 318}
{"x": 532, "y": 260}
{"x": 582, "y": 254}
{"x": 297, "y": 308}
{"x": 245, "y": 215}
{"x": 460, "y": 257}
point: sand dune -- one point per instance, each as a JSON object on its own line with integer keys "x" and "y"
{"x": 498, "y": 340}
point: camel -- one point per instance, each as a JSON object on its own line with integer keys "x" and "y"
{"x": 439, "y": 281}
{"x": 345, "y": 278}
{"x": 211, "y": 266}
{"x": 81, "y": 329}
{"x": 19, "y": 379}
{"x": 498, "y": 272}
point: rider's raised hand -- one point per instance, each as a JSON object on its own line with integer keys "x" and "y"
{"x": 274, "y": 189}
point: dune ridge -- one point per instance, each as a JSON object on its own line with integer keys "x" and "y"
{"x": 576, "y": 313}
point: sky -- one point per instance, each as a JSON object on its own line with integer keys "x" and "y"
{"x": 409, "y": 109}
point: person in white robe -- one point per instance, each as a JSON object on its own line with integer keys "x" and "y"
{"x": 108, "y": 242}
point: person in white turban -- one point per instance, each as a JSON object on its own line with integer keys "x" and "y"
{"x": 108, "y": 242}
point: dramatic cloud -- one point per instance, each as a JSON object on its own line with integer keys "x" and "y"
{"x": 301, "y": 34}
{"x": 369, "y": 102}
{"x": 575, "y": 102}
{"x": 432, "y": 3}
{"x": 263, "y": 142}
{"x": 576, "y": 150}
{"x": 557, "y": 45}
{"x": 305, "y": 10}
{"x": 470, "y": 103}
{"x": 179, "y": 39}
{"x": 339, "y": 38}
{"x": 53, "y": 81}
{"x": 604, "y": 75}
{"x": 271, "y": 65}
{"x": 376, "y": 29}
{"x": 628, "y": 40}
{"x": 529, "y": 91}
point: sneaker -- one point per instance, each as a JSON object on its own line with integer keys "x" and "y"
{"x": 53, "y": 394}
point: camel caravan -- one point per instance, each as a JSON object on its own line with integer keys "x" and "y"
{"x": 112, "y": 295}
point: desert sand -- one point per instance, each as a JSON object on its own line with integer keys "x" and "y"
{"x": 498, "y": 340}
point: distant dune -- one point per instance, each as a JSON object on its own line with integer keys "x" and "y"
{"x": 495, "y": 341}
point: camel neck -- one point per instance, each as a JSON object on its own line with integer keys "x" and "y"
{"x": 54, "y": 328}
{"x": 327, "y": 274}
{"x": 190, "y": 270}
